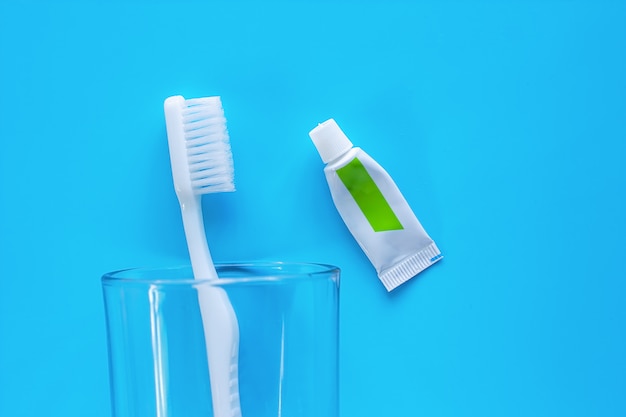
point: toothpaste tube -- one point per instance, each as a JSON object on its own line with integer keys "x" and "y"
{"x": 373, "y": 209}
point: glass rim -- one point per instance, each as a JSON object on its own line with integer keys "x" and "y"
{"x": 310, "y": 270}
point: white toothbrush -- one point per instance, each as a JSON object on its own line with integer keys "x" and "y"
{"x": 202, "y": 163}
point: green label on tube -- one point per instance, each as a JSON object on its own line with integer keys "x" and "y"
{"x": 368, "y": 197}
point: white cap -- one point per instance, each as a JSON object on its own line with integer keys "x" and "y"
{"x": 330, "y": 140}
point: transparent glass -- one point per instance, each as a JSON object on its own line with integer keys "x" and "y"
{"x": 287, "y": 320}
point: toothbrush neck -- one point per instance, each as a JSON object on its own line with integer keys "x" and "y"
{"x": 193, "y": 222}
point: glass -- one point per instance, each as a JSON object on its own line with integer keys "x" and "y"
{"x": 287, "y": 319}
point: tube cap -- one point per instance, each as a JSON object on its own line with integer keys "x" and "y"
{"x": 330, "y": 140}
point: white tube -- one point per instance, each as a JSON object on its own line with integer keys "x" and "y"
{"x": 373, "y": 209}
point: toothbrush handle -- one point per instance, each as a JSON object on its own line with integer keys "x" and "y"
{"x": 221, "y": 330}
{"x": 221, "y": 334}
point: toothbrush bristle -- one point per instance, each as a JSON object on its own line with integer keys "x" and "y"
{"x": 209, "y": 155}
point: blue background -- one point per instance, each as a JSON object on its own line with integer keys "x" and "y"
{"x": 503, "y": 123}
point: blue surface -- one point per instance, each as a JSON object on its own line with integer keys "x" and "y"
{"x": 503, "y": 123}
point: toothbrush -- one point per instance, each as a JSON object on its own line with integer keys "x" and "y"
{"x": 202, "y": 163}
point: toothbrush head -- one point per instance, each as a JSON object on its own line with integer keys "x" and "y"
{"x": 199, "y": 145}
